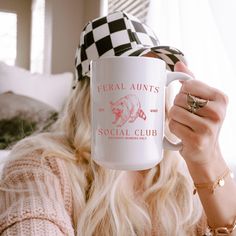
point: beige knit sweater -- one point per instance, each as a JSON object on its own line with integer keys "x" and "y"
{"x": 44, "y": 207}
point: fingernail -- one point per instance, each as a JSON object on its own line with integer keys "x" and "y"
{"x": 180, "y": 64}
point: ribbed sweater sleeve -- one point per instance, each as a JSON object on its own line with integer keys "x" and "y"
{"x": 37, "y": 198}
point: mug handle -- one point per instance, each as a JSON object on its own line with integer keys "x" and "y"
{"x": 172, "y": 76}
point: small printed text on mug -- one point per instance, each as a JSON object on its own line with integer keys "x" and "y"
{"x": 132, "y": 87}
{"x": 127, "y": 133}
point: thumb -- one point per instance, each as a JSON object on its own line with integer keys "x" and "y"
{"x": 181, "y": 67}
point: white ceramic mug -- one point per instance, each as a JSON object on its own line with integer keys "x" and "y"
{"x": 128, "y": 111}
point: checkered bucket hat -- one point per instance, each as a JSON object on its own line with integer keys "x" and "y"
{"x": 119, "y": 34}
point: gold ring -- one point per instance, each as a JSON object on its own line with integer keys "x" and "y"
{"x": 195, "y": 103}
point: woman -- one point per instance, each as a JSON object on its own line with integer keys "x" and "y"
{"x": 51, "y": 186}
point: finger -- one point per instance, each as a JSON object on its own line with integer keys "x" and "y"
{"x": 188, "y": 119}
{"x": 206, "y": 111}
{"x": 199, "y": 89}
{"x": 203, "y": 91}
{"x": 211, "y": 110}
{"x": 179, "y": 130}
{"x": 181, "y": 67}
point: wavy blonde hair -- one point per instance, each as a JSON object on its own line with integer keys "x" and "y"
{"x": 103, "y": 203}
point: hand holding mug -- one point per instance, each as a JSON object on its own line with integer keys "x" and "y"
{"x": 199, "y": 130}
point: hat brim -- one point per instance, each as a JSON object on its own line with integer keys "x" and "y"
{"x": 168, "y": 54}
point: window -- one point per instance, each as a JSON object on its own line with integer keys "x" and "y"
{"x": 138, "y": 8}
{"x": 37, "y": 36}
{"x": 204, "y": 31}
{"x": 8, "y": 36}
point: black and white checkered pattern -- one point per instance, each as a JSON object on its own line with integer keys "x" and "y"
{"x": 168, "y": 54}
{"x": 119, "y": 34}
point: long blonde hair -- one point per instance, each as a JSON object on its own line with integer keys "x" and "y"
{"x": 104, "y": 204}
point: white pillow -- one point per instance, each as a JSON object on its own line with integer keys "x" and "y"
{"x": 50, "y": 89}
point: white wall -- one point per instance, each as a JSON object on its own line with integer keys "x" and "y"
{"x": 65, "y": 19}
{"x": 91, "y": 10}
